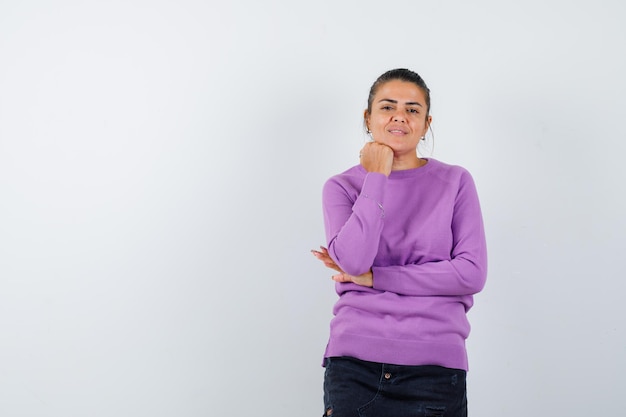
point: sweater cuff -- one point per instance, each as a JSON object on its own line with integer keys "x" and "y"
{"x": 374, "y": 187}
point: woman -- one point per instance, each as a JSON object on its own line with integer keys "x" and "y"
{"x": 405, "y": 236}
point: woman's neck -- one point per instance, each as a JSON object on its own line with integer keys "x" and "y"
{"x": 410, "y": 161}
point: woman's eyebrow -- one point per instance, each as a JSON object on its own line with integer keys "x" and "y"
{"x": 408, "y": 103}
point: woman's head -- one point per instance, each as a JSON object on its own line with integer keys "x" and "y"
{"x": 397, "y": 113}
{"x": 401, "y": 74}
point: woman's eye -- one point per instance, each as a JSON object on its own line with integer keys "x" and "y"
{"x": 414, "y": 111}
{"x": 386, "y": 108}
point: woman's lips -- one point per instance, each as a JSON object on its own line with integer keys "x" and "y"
{"x": 397, "y": 130}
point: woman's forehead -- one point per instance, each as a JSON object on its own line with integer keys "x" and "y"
{"x": 400, "y": 91}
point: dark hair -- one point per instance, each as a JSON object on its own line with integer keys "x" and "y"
{"x": 401, "y": 74}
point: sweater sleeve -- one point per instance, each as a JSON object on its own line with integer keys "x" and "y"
{"x": 353, "y": 226}
{"x": 464, "y": 273}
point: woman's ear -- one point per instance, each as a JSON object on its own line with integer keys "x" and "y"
{"x": 366, "y": 120}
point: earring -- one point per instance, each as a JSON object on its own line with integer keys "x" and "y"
{"x": 423, "y": 138}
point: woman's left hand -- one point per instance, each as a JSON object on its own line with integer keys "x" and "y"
{"x": 366, "y": 279}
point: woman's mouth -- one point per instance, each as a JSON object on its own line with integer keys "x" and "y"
{"x": 397, "y": 132}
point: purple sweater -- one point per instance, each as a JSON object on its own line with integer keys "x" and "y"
{"x": 421, "y": 232}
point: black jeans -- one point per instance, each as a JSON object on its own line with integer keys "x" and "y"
{"x": 356, "y": 388}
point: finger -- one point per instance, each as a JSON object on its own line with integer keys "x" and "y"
{"x": 324, "y": 252}
{"x": 341, "y": 278}
{"x": 330, "y": 262}
{"x": 321, "y": 256}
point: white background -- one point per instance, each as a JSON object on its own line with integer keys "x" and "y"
{"x": 161, "y": 165}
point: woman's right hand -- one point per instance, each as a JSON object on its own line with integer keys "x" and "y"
{"x": 376, "y": 157}
{"x": 365, "y": 280}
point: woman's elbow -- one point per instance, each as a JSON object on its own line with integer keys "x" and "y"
{"x": 477, "y": 279}
{"x": 352, "y": 264}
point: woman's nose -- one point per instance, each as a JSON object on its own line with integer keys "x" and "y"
{"x": 398, "y": 117}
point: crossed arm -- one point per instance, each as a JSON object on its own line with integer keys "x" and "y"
{"x": 463, "y": 273}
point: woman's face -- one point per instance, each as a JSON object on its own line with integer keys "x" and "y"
{"x": 398, "y": 116}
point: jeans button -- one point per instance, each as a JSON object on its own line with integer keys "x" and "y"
{"x": 387, "y": 375}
